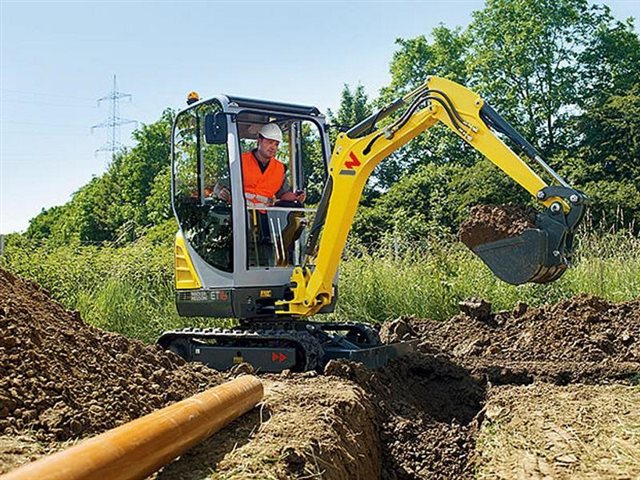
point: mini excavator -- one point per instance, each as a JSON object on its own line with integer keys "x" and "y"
{"x": 273, "y": 267}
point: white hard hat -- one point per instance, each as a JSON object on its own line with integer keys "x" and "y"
{"x": 271, "y": 131}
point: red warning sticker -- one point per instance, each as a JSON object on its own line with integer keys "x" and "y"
{"x": 278, "y": 357}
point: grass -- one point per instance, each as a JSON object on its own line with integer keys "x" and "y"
{"x": 429, "y": 280}
{"x": 129, "y": 289}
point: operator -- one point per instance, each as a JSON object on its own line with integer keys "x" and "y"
{"x": 264, "y": 178}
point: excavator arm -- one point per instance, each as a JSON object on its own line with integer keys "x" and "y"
{"x": 539, "y": 255}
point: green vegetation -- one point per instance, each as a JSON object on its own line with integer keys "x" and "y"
{"x": 564, "y": 72}
{"x": 129, "y": 289}
{"x": 429, "y": 281}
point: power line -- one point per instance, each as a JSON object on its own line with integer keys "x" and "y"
{"x": 114, "y": 121}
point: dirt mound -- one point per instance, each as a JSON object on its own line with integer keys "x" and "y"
{"x": 309, "y": 426}
{"x": 63, "y": 379}
{"x": 583, "y": 339}
{"x": 425, "y": 406}
{"x": 489, "y": 223}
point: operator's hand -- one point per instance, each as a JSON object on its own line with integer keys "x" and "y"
{"x": 222, "y": 192}
{"x": 301, "y": 195}
{"x": 297, "y": 196}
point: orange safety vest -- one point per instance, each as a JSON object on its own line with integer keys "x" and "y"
{"x": 259, "y": 187}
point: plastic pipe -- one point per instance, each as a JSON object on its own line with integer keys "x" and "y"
{"x": 138, "y": 448}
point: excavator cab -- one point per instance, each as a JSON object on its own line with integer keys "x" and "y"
{"x": 236, "y": 257}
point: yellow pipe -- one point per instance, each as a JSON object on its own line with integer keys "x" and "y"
{"x": 139, "y": 448}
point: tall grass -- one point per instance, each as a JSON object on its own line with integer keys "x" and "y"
{"x": 429, "y": 280}
{"x": 129, "y": 289}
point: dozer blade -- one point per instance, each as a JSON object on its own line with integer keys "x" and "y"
{"x": 523, "y": 259}
{"x": 541, "y": 254}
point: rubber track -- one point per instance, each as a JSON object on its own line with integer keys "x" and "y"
{"x": 304, "y": 342}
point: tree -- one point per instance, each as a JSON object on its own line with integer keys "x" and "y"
{"x": 354, "y": 107}
{"x": 46, "y": 223}
{"x": 605, "y": 162}
{"x": 610, "y": 139}
{"x": 443, "y": 54}
{"x": 611, "y": 61}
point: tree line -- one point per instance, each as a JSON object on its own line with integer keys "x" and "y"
{"x": 565, "y": 73}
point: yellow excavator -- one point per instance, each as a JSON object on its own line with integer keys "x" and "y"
{"x": 274, "y": 266}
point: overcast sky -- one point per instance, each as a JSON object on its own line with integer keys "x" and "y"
{"x": 58, "y": 58}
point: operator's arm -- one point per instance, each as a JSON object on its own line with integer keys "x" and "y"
{"x": 358, "y": 151}
{"x": 287, "y": 194}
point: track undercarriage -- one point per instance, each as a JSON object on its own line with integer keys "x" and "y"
{"x": 274, "y": 346}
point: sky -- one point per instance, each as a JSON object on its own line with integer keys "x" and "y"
{"x": 58, "y": 58}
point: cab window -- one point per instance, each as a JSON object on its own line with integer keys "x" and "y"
{"x": 201, "y": 174}
{"x": 277, "y": 223}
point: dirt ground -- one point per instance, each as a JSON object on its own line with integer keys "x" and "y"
{"x": 478, "y": 384}
{"x": 549, "y": 431}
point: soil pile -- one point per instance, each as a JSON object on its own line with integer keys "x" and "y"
{"x": 309, "y": 426}
{"x": 489, "y": 223}
{"x": 583, "y": 339}
{"x": 62, "y": 378}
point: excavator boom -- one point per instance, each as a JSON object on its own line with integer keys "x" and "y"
{"x": 538, "y": 255}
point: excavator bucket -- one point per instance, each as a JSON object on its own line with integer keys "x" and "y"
{"x": 541, "y": 254}
{"x": 522, "y": 259}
